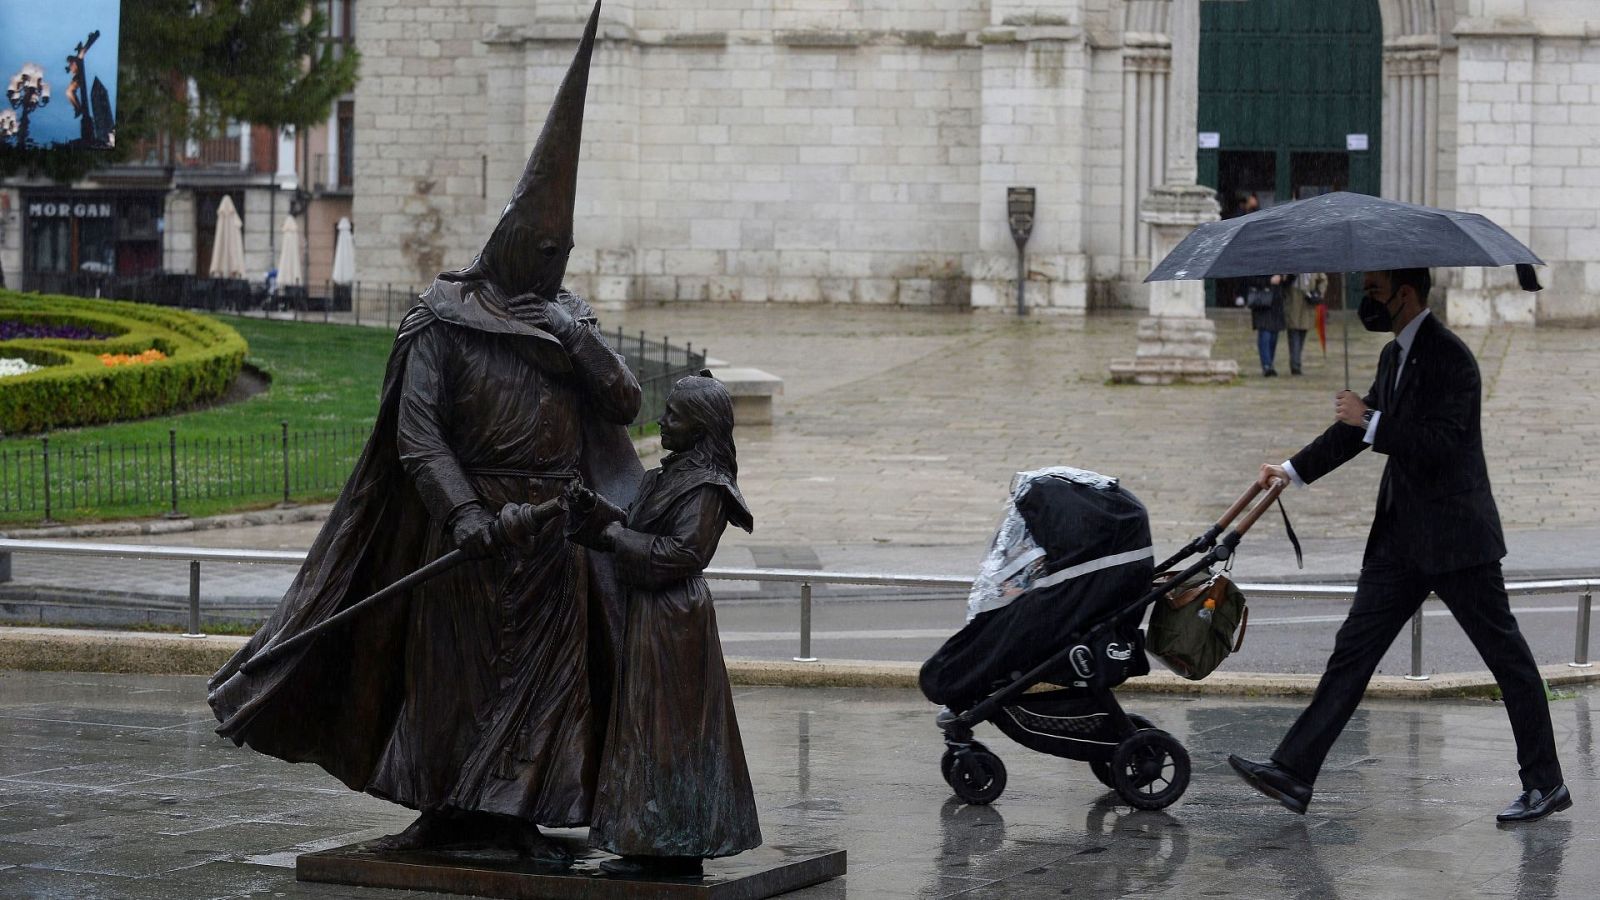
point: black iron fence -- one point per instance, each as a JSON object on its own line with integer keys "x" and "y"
{"x": 235, "y": 295}
{"x": 175, "y": 474}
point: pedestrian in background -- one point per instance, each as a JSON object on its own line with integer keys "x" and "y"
{"x": 1264, "y": 297}
{"x": 1303, "y": 294}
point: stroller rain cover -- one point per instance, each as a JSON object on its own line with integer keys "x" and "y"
{"x": 1072, "y": 547}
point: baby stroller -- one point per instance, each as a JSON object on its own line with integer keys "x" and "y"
{"x": 1053, "y": 626}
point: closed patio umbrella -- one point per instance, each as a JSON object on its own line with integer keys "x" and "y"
{"x": 227, "y": 247}
{"x": 344, "y": 255}
{"x": 290, "y": 272}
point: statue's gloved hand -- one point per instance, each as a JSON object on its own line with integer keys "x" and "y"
{"x": 589, "y": 518}
{"x": 517, "y": 526}
{"x": 578, "y": 500}
{"x": 472, "y": 530}
{"x": 559, "y": 322}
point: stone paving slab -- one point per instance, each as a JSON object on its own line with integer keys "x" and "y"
{"x": 901, "y": 428}
{"x": 160, "y": 807}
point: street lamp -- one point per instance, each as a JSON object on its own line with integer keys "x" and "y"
{"x": 27, "y": 92}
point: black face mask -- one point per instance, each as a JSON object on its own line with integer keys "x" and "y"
{"x": 1375, "y": 314}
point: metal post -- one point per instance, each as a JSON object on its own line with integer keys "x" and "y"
{"x": 1416, "y": 648}
{"x": 1022, "y": 282}
{"x": 284, "y": 427}
{"x": 45, "y": 441}
{"x": 355, "y": 301}
{"x": 805, "y": 624}
{"x": 1580, "y": 647}
{"x": 194, "y": 600}
{"x": 172, "y": 461}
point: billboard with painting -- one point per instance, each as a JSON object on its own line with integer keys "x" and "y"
{"x": 58, "y": 64}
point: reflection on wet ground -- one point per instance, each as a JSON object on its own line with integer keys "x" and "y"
{"x": 115, "y": 786}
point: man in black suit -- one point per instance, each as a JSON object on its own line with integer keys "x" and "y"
{"x": 1436, "y": 530}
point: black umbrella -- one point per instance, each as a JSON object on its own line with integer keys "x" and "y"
{"x": 1344, "y": 232}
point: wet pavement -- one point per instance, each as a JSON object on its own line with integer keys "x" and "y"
{"x": 116, "y": 787}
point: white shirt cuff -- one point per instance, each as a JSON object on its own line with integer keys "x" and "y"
{"x": 1293, "y": 475}
{"x": 1372, "y": 427}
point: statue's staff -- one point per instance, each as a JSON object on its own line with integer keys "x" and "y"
{"x": 517, "y": 521}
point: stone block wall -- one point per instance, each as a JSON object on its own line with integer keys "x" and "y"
{"x": 1528, "y": 156}
{"x": 735, "y": 149}
{"x": 859, "y": 150}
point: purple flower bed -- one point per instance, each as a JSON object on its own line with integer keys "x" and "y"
{"x": 11, "y": 329}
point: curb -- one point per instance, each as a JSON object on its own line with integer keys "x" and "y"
{"x": 276, "y": 516}
{"x": 139, "y": 653}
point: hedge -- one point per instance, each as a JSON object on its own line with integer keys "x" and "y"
{"x": 77, "y": 388}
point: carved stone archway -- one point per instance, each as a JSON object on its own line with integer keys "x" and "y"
{"x": 1418, "y": 106}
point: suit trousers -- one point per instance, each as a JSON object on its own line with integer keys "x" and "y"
{"x": 1388, "y": 593}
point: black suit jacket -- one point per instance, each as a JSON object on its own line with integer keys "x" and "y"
{"x": 1434, "y": 503}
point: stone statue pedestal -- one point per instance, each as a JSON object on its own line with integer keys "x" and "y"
{"x": 755, "y": 874}
{"x": 1175, "y": 339}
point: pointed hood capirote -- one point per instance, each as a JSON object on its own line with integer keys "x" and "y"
{"x": 527, "y": 251}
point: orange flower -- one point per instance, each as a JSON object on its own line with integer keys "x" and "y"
{"x": 123, "y": 359}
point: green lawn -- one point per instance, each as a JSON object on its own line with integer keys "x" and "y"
{"x": 325, "y": 384}
{"x": 323, "y": 376}
{"x": 229, "y": 457}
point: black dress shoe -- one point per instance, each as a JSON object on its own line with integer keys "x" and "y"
{"x": 1273, "y": 781}
{"x": 1536, "y": 804}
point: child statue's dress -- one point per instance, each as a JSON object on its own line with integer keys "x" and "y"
{"x": 673, "y": 780}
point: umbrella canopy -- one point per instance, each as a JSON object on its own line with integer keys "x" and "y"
{"x": 1344, "y": 232}
{"x": 227, "y": 247}
{"x": 290, "y": 272}
{"x": 344, "y": 255}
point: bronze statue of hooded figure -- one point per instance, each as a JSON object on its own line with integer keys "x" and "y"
{"x": 481, "y": 697}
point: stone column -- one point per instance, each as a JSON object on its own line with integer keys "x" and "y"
{"x": 1175, "y": 339}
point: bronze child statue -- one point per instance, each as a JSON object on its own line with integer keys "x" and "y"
{"x": 673, "y": 786}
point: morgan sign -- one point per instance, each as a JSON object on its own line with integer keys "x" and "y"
{"x": 68, "y": 209}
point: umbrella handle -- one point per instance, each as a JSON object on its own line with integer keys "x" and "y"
{"x": 1346, "y": 320}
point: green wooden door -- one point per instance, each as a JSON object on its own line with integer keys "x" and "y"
{"x": 1291, "y": 94}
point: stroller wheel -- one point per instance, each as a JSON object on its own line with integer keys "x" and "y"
{"x": 1150, "y": 770}
{"x": 947, "y": 767}
{"x": 1102, "y": 771}
{"x": 977, "y": 776}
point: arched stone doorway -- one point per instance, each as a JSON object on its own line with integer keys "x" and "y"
{"x": 1410, "y": 125}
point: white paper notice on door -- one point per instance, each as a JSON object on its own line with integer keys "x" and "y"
{"x": 1354, "y": 142}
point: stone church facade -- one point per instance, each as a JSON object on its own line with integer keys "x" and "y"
{"x": 859, "y": 151}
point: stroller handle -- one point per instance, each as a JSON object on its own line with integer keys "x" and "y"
{"x": 1237, "y": 507}
{"x": 1278, "y": 484}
